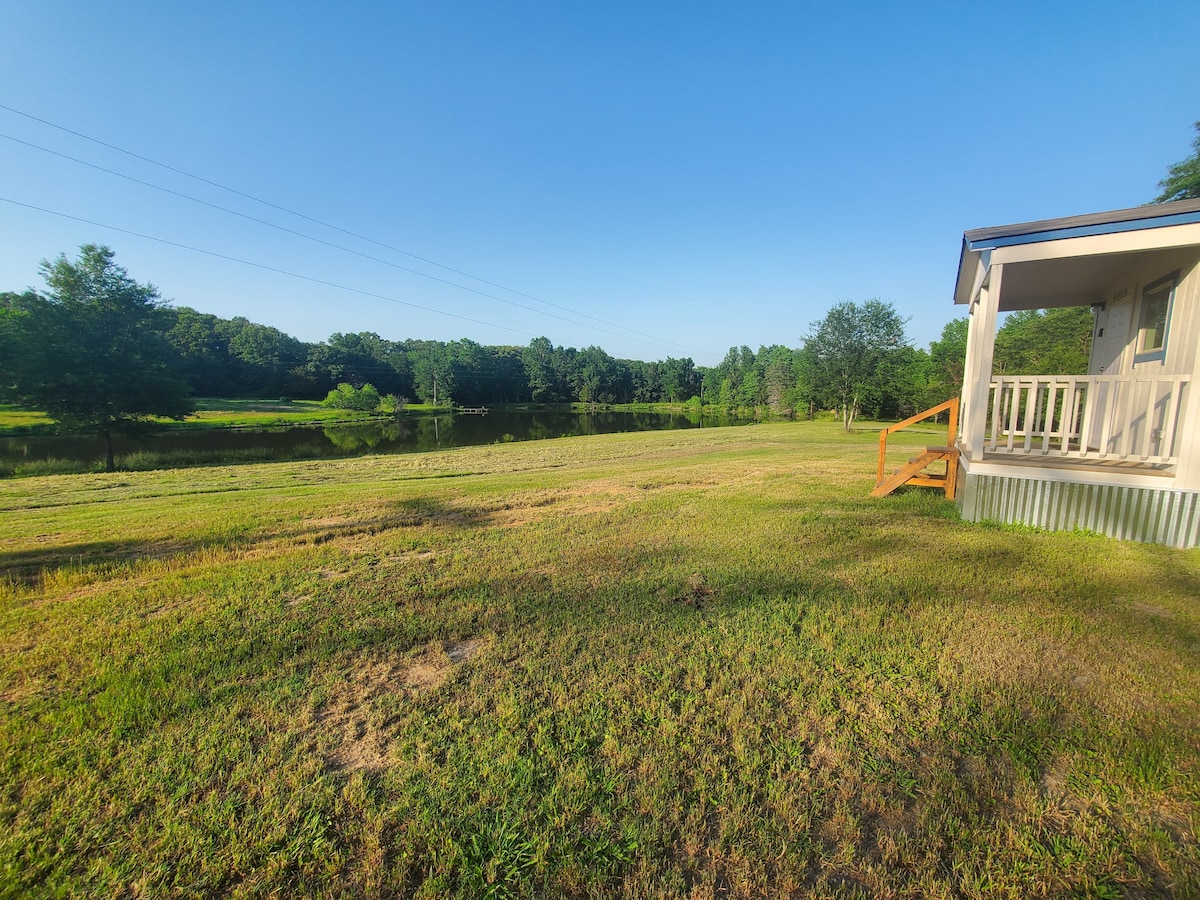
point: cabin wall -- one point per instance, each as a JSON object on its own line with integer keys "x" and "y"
{"x": 1126, "y": 512}
{"x": 1113, "y": 343}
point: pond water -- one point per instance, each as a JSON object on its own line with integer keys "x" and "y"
{"x": 403, "y": 435}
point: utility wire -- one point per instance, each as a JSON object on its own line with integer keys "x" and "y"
{"x": 246, "y": 262}
{"x": 292, "y": 212}
{"x": 309, "y": 237}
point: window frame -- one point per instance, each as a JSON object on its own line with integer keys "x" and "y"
{"x": 1157, "y": 354}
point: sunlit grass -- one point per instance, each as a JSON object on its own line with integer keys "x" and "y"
{"x": 220, "y": 413}
{"x": 12, "y": 417}
{"x": 214, "y": 413}
{"x": 663, "y": 664}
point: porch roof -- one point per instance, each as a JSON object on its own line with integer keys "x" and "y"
{"x": 1069, "y": 279}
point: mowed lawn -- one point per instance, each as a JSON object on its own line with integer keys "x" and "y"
{"x": 672, "y": 664}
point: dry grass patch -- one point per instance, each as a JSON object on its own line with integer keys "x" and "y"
{"x": 351, "y": 720}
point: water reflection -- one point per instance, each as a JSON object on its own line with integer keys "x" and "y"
{"x": 402, "y": 435}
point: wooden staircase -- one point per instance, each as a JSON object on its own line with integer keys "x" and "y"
{"x": 915, "y": 470}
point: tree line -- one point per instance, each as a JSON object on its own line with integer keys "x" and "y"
{"x": 98, "y": 351}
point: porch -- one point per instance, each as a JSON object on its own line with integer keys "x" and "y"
{"x": 1116, "y": 450}
{"x": 1101, "y": 422}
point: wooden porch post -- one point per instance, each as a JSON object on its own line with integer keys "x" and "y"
{"x": 977, "y": 370}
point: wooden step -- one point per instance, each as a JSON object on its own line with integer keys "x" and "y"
{"x": 913, "y": 473}
{"x": 901, "y": 476}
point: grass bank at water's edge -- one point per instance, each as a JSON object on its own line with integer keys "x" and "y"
{"x": 657, "y": 664}
{"x": 210, "y": 413}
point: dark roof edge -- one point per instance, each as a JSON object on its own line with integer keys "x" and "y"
{"x": 1152, "y": 211}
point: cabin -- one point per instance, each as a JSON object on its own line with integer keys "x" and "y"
{"x": 1116, "y": 451}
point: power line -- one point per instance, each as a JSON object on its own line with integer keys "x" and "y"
{"x": 292, "y": 212}
{"x": 309, "y": 237}
{"x": 263, "y": 266}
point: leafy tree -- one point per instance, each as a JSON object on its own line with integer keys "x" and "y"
{"x": 732, "y": 373}
{"x": 12, "y": 311}
{"x": 203, "y": 352}
{"x": 432, "y": 371}
{"x": 273, "y": 362}
{"x": 647, "y": 381}
{"x": 540, "y": 371}
{"x": 347, "y": 396}
{"x": 852, "y": 353}
{"x": 596, "y": 376}
{"x": 781, "y": 377}
{"x": 358, "y": 359}
{"x": 908, "y": 383}
{"x": 1183, "y": 178}
{"x": 1055, "y": 341}
{"x": 92, "y": 349}
{"x": 947, "y": 357}
{"x": 678, "y": 379}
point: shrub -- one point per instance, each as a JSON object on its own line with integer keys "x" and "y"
{"x": 347, "y": 396}
{"x": 391, "y": 403}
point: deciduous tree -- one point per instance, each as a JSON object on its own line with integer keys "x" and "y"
{"x": 1183, "y": 178}
{"x": 1052, "y": 341}
{"x": 852, "y": 353}
{"x": 93, "y": 352}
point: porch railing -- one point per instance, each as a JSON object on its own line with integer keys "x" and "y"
{"x": 1094, "y": 417}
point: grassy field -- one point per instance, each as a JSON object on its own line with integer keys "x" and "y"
{"x": 669, "y": 664}
{"x": 213, "y": 413}
{"x": 14, "y": 418}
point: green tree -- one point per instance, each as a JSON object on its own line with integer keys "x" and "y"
{"x": 347, "y": 396}
{"x": 596, "y": 376}
{"x": 852, "y": 353}
{"x": 947, "y": 356}
{"x": 203, "y": 352}
{"x": 432, "y": 371}
{"x": 1183, "y": 178}
{"x": 540, "y": 372}
{"x": 93, "y": 351}
{"x": 678, "y": 379}
{"x": 1052, "y": 341}
{"x": 13, "y": 309}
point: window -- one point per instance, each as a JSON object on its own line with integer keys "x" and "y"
{"x": 1154, "y": 319}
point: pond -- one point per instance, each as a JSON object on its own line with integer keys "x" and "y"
{"x": 403, "y": 435}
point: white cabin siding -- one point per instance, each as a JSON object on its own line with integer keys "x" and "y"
{"x": 1116, "y": 451}
{"x": 1123, "y": 308}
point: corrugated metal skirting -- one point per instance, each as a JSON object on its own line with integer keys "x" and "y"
{"x": 1127, "y": 513}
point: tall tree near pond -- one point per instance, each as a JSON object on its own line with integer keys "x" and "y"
{"x": 1183, "y": 178}
{"x": 679, "y": 380}
{"x": 852, "y": 353}
{"x": 543, "y": 372}
{"x": 432, "y": 371}
{"x": 93, "y": 350}
{"x": 597, "y": 376}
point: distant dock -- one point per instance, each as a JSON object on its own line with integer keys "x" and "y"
{"x": 473, "y": 411}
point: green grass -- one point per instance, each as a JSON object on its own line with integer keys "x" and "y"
{"x": 13, "y": 418}
{"x": 213, "y": 413}
{"x": 219, "y": 413}
{"x": 668, "y": 664}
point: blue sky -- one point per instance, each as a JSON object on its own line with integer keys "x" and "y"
{"x": 693, "y": 175}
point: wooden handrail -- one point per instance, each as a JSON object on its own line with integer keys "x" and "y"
{"x": 951, "y": 405}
